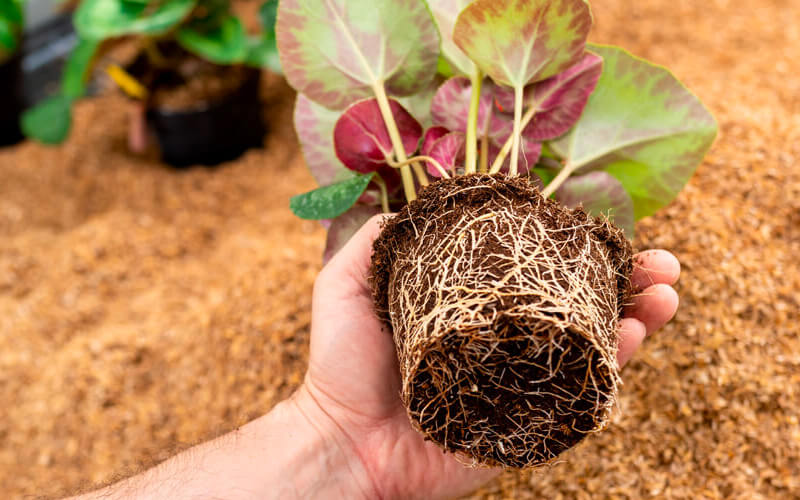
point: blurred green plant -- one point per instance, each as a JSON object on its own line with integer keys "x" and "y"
{"x": 11, "y": 23}
{"x": 206, "y": 28}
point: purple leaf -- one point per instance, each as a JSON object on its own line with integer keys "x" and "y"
{"x": 448, "y": 150}
{"x": 450, "y": 106}
{"x": 530, "y": 151}
{"x": 360, "y": 137}
{"x": 432, "y": 135}
{"x": 599, "y": 193}
{"x": 342, "y": 228}
{"x": 559, "y": 100}
{"x": 314, "y": 125}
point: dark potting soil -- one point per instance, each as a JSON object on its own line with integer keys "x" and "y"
{"x": 186, "y": 82}
{"x": 201, "y": 113}
{"x": 504, "y": 308}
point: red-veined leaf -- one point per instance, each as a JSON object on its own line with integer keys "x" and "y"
{"x": 517, "y": 42}
{"x": 360, "y": 137}
{"x": 559, "y": 100}
{"x": 335, "y": 51}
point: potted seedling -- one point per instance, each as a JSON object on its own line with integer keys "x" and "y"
{"x": 503, "y": 275}
{"x": 11, "y": 24}
{"x": 196, "y": 74}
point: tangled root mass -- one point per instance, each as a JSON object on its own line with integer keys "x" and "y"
{"x": 504, "y": 309}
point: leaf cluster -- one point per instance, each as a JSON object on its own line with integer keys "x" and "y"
{"x": 458, "y": 86}
{"x": 206, "y": 28}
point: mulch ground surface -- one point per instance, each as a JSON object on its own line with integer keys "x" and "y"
{"x": 143, "y": 309}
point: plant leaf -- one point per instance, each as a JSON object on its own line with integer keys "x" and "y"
{"x": 559, "y": 100}
{"x": 642, "y": 126}
{"x": 49, "y": 121}
{"x": 11, "y": 20}
{"x": 76, "y": 69}
{"x": 445, "y": 12}
{"x": 448, "y": 150}
{"x": 517, "y": 42}
{"x": 335, "y": 51}
{"x": 432, "y": 135}
{"x": 224, "y": 44}
{"x": 545, "y": 175}
{"x": 530, "y": 151}
{"x": 599, "y": 193}
{"x": 450, "y": 107}
{"x": 314, "y": 126}
{"x": 419, "y": 104}
{"x": 360, "y": 137}
{"x": 342, "y": 228}
{"x": 101, "y": 19}
{"x": 331, "y": 201}
{"x": 263, "y": 51}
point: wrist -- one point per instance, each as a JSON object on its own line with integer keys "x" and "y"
{"x": 318, "y": 460}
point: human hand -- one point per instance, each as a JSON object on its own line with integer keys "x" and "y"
{"x": 351, "y": 391}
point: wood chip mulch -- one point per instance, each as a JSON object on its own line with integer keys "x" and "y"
{"x": 143, "y": 310}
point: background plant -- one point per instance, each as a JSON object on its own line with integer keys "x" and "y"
{"x": 591, "y": 124}
{"x": 206, "y": 28}
{"x": 11, "y": 25}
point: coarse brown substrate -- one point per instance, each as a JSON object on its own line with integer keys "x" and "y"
{"x": 504, "y": 309}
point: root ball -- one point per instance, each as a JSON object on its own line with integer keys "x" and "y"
{"x": 504, "y": 309}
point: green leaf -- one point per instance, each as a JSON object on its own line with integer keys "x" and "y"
{"x": 335, "y": 51}
{"x": 11, "y": 20}
{"x": 314, "y": 125}
{"x": 642, "y": 126}
{"x": 224, "y": 44}
{"x": 517, "y": 42}
{"x": 49, "y": 121}
{"x": 263, "y": 52}
{"x": 268, "y": 14}
{"x": 76, "y": 69}
{"x": 330, "y": 201}
{"x": 545, "y": 174}
{"x": 11, "y": 12}
{"x": 445, "y": 13}
{"x": 101, "y": 19}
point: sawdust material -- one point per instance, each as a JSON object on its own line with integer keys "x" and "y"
{"x": 504, "y": 308}
{"x": 142, "y": 310}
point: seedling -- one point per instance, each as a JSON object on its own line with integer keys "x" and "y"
{"x": 504, "y": 281}
{"x": 206, "y": 28}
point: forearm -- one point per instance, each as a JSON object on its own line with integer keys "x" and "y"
{"x": 292, "y": 452}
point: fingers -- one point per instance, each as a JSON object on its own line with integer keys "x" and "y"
{"x": 655, "y": 303}
{"x": 653, "y": 267}
{"x": 654, "y": 306}
{"x": 631, "y": 334}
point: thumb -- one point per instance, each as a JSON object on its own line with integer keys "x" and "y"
{"x": 353, "y": 260}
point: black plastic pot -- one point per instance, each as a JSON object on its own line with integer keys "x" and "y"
{"x": 215, "y": 133}
{"x": 10, "y": 101}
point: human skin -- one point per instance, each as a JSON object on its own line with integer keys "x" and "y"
{"x": 345, "y": 433}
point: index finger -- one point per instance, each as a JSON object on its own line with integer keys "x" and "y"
{"x": 653, "y": 267}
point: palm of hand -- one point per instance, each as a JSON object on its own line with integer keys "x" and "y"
{"x": 354, "y": 377}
